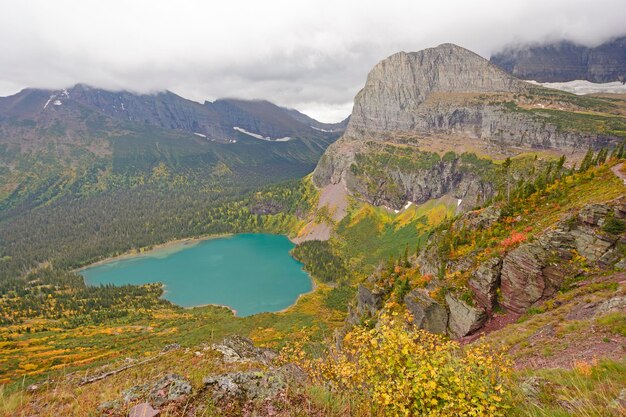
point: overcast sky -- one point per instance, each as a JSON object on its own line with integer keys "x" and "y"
{"x": 310, "y": 55}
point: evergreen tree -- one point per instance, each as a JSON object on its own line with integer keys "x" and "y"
{"x": 587, "y": 161}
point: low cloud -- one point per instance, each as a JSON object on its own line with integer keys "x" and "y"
{"x": 309, "y": 55}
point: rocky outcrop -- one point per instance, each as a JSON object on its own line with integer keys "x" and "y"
{"x": 612, "y": 305}
{"x": 485, "y": 282}
{"x": 367, "y": 304}
{"x": 241, "y": 349}
{"x": 534, "y": 271}
{"x": 478, "y": 219}
{"x": 565, "y": 61}
{"x": 464, "y": 319}
{"x": 170, "y": 388}
{"x": 427, "y": 313}
{"x": 245, "y": 386}
{"x": 253, "y": 385}
{"x": 431, "y": 262}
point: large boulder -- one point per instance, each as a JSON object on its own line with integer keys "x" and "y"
{"x": 485, "y": 282}
{"x": 427, "y": 313}
{"x": 368, "y": 302}
{"x": 170, "y": 388}
{"x": 464, "y": 318}
{"x": 241, "y": 349}
{"x": 245, "y": 386}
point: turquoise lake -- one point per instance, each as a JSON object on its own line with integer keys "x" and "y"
{"x": 251, "y": 273}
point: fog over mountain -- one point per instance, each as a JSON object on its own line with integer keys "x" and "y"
{"x": 309, "y": 55}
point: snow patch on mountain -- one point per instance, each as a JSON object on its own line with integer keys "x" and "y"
{"x": 261, "y": 137}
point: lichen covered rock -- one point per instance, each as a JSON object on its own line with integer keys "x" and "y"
{"x": 241, "y": 349}
{"x": 245, "y": 386}
{"x": 464, "y": 319}
{"x": 427, "y": 313}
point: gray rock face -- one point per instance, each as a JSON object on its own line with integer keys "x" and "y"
{"x": 485, "y": 282}
{"x": 464, "y": 318}
{"x": 427, "y": 313}
{"x": 397, "y": 87}
{"x": 419, "y": 186}
{"x": 368, "y": 302}
{"x": 566, "y": 61}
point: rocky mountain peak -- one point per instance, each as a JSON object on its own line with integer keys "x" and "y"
{"x": 397, "y": 86}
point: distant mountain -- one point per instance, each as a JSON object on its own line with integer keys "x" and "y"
{"x": 565, "y": 61}
{"x": 216, "y": 121}
{"x": 84, "y": 140}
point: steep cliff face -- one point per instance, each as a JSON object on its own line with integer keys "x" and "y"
{"x": 447, "y": 99}
{"x": 565, "y": 61}
{"x": 398, "y": 87}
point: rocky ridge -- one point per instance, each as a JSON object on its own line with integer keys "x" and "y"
{"x": 214, "y": 121}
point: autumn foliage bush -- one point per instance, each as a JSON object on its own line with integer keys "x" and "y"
{"x": 411, "y": 372}
{"x": 513, "y": 240}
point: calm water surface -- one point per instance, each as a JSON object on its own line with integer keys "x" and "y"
{"x": 250, "y": 273}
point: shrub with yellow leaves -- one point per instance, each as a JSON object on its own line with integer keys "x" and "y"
{"x": 406, "y": 372}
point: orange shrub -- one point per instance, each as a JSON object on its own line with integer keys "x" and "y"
{"x": 514, "y": 239}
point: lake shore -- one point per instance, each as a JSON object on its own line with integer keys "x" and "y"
{"x": 162, "y": 249}
{"x": 173, "y": 246}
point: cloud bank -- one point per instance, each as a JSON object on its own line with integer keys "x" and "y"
{"x": 310, "y": 55}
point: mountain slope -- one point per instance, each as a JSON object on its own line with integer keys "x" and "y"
{"x": 565, "y": 61}
{"x": 83, "y": 140}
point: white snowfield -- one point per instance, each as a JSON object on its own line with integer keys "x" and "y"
{"x": 257, "y": 136}
{"x": 322, "y": 130}
{"x": 581, "y": 87}
{"x": 57, "y": 102}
